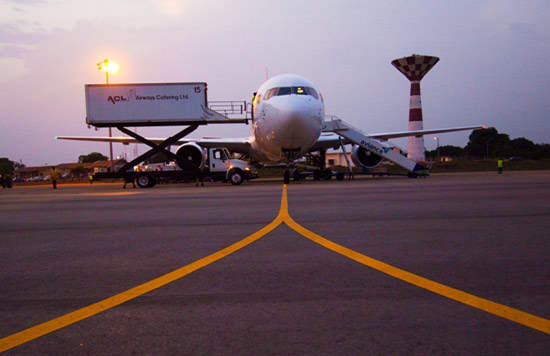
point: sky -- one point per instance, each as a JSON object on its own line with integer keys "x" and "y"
{"x": 493, "y": 69}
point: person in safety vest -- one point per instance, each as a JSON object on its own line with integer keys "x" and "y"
{"x": 500, "y": 165}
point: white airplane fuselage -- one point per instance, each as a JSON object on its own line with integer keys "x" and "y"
{"x": 288, "y": 113}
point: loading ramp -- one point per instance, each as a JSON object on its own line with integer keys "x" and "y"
{"x": 355, "y": 136}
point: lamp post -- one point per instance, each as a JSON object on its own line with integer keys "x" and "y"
{"x": 109, "y": 67}
{"x": 437, "y": 150}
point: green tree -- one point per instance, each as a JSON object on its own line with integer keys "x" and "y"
{"x": 77, "y": 171}
{"x": 7, "y": 166}
{"x": 92, "y": 157}
{"x": 542, "y": 151}
{"x": 488, "y": 143}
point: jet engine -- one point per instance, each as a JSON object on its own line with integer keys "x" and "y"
{"x": 365, "y": 158}
{"x": 191, "y": 156}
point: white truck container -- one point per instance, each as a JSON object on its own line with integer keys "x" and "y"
{"x": 148, "y": 104}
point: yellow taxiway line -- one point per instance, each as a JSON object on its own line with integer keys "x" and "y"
{"x": 501, "y": 310}
{"x": 114, "y": 194}
{"x": 39, "y": 330}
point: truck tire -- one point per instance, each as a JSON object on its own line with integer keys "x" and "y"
{"x": 326, "y": 174}
{"x": 145, "y": 180}
{"x": 236, "y": 177}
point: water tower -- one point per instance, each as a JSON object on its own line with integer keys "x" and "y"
{"x": 415, "y": 68}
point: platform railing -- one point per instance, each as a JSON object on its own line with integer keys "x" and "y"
{"x": 231, "y": 109}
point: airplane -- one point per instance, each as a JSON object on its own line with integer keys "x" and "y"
{"x": 288, "y": 112}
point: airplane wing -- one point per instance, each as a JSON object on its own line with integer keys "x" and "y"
{"x": 418, "y": 133}
{"x": 240, "y": 145}
{"x": 331, "y": 140}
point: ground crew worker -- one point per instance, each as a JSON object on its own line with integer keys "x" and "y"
{"x": 500, "y": 165}
{"x": 128, "y": 179}
{"x": 53, "y": 177}
{"x": 91, "y": 178}
{"x": 199, "y": 177}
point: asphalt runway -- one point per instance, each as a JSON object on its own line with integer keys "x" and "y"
{"x": 278, "y": 291}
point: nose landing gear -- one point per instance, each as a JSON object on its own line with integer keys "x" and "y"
{"x": 286, "y": 176}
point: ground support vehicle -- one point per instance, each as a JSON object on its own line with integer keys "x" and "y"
{"x": 217, "y": 166}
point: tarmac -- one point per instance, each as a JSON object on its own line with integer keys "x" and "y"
{"x": 449, "y": 264}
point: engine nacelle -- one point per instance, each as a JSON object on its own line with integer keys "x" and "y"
{"x": 191, "y": 156}
{"x": 365, "y": 158}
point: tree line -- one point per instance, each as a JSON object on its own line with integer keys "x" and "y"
{"x": 490, "y": 144}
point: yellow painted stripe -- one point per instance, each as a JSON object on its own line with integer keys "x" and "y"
{"x": 501, "y": 310}
{"x": 93, "y": 309}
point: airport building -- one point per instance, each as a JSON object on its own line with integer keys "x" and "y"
{"x": 38, "y": 173}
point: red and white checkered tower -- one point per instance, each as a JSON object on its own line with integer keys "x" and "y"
{"x": 415, "y": 68}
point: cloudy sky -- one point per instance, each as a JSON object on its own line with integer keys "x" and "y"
{"x": 494, "y": 67}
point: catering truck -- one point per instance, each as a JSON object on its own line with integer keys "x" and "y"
{"x": 217, "y": 165}
{"x": 164, "y": 104}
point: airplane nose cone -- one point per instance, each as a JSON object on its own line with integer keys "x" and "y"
{"x": 299, "y": 126}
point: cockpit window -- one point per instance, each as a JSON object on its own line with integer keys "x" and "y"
{"x": 284, "y": 91}
{"x": 312, "y": 92}
{"x": 290, "y": 90}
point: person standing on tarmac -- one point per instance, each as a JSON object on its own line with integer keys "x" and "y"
{"x": 199, "y": 177}
{"x": 500, "y": 166}
{"x": 53, "y": 177}
{"x": 91, "y": 178}
{"x": 128, "y": 179}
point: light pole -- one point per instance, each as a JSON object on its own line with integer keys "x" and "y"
{"x": 437, "y": 150}
{"x": 112, "y": 67}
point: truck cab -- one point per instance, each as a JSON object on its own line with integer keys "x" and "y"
{"x": 229, "y": 169}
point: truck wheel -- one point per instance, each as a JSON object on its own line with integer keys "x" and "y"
{"x": 317, "y": 174}
{"x": 326, "y": 174}
{"x": 145, "y": 180}
{"x": 236, "y": 177}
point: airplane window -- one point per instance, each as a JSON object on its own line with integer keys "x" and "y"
{"x": 284, "y": 91}
{"x": 312, "y": 92}
{"x": 271, "y": 92}
{"x": 299, "y": 90}
{"x": 291, "y": 90}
